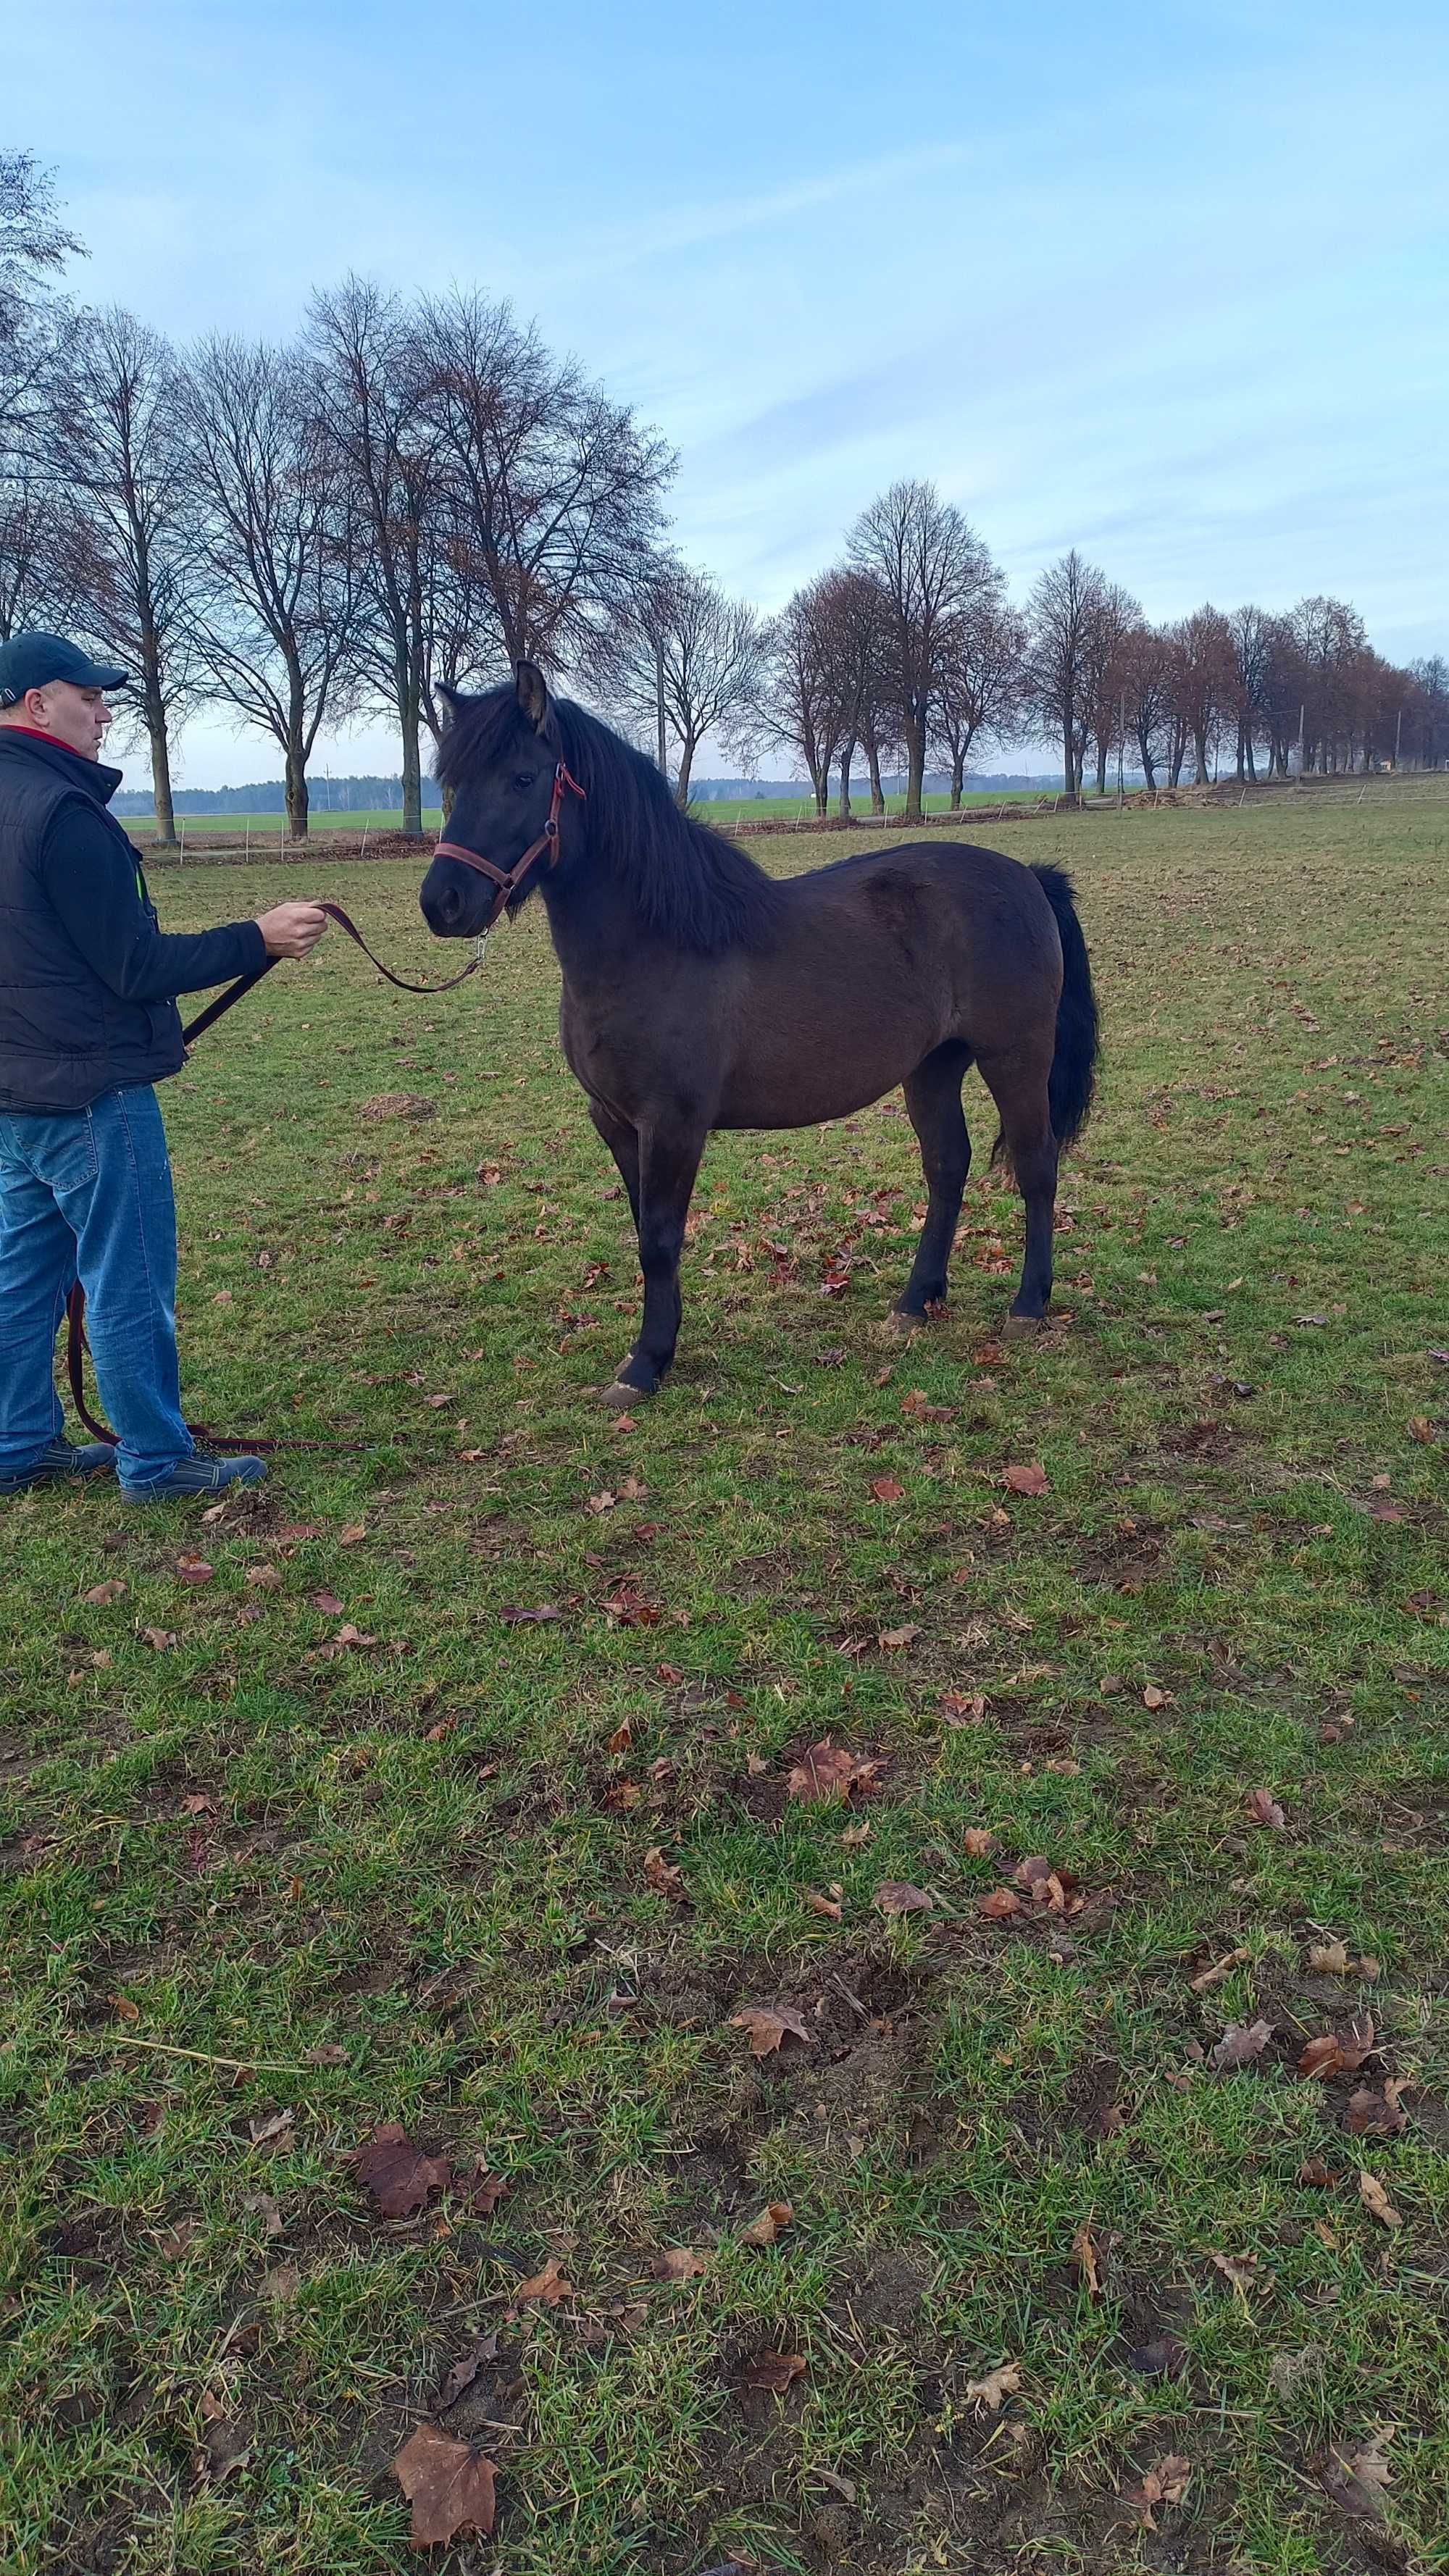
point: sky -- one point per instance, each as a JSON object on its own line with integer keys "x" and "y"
{"x": 1165, "y": 282}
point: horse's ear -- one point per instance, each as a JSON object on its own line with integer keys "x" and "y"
{"x": 532, "y": 694}
{"x": 451, "y": 703}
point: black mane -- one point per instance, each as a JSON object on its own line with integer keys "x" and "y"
{"x": 689, "y": 885}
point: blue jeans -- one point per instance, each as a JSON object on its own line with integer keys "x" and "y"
{"x": 88, "y": 1192}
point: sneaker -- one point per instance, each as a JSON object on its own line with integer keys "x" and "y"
{"x": 62, "y": 1459}
{"x": 198, "y": 1474}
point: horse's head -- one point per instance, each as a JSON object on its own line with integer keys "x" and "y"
{"x": 501, "y": 755}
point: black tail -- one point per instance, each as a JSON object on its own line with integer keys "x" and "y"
{"x": 1074, "y": 1066}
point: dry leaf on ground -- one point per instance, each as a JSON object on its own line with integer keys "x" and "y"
{"x": 1264, "y": 1809}
{"x": 1166, "y": 2482}
{"x": 764, "y": 2229}
{"x": 1377, "y": 2202}
{"x": 1339, "y": 2052}
{"x": 1356, "y": 2479}
{"x": 769, "y": 2026}
{"x": 397, "y": 2174}
{"x": 679, "y": 2263}
{"x": 998, "y": 1904}
{"x": 829, "y": 1771}
{"x": 996, "y": 2387}
{"x": 774, "y": 2370}
{"x": 1085, "y": 2261}
{"x": 1241, "y": 2043}
{"x": 1376, "y": 2115}
{"x": 977, "y": 1841}
{"x": 897, "y": 1896}
{"x": 1026, "y": 1480}
{"x": 547, "y": 2286}
{"x": 115, "y": 1589}
{"x": 450, "y": 2486}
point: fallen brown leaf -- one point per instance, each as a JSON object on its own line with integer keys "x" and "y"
{"x": 894, "y": 1639}
{"x": 1241, "y": 2043}
{"x": 774, "y": 2371}
{"x": 998, "y": 1904}
{"x": 887, "y": 1489}
{"x": 996, "y": 2387}
{"x": 1377, "y": 2202}
{"x": 161, "y": 1638}
{"x": 1166, "y": 2482}
{"x": 514, "y": 1617}
{"x": 396, "y": 2173}
{"x": 224, "y": 2446}
{"x": 1339, "y": 2052}
{"x": 769, "y": 2026}
{"x": 977, "y": 1841}
{"x": 1207, "y": 1978}
{"x": 679, "y": 2263}
{"x": 450, "y": 2486}
{"x": 1375, "y": 2115}
{"x": 1026, "y": 1480}
{"x": 1084, "y": 2260}
{"x": 264, "y": 1578}
{"x": 547, "y": 2286}
{"x": 827, "y": 1905}
{"x": 764, "y": 2229}
{"x": 465, "y": 2370}
{"x": 828, "y": 1771}
{"x": 665, "y": 1876}
{"x": 1240, "y": 2269}
{"x": 115, "y": 1589}
{"x": 194, "y": 1569}
{"x": 1264, "y": 1809}
{"x": 328, "y": 1602}
{"x": 1356, "y": 2480}
{"x": 897, "y": 1896}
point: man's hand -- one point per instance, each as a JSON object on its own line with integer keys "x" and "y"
{"x": 292, "y": 929}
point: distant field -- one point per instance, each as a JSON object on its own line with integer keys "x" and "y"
{"x": 725, "y": 809}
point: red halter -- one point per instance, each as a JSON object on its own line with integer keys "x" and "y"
{"x": 508, "y": 880}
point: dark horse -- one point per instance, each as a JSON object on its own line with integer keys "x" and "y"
{"x": 698, "y": 992}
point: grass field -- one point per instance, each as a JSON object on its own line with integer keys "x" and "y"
{"x": 319, "y": 1832}
{"x": 722, "y": 809}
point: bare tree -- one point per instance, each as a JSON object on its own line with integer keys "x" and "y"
{"x": 274, "y": 546}
{"x": 119, "y": 473}
{"x": 1060, "y": 611}
{"x": 372, "y": 378}
{"x": 1114, "y": 617}
{"x": 1251, "y": 634}
{"x": 34, "y": 247}
{"x": 553, "y": 492}
{"x": 800, "y": 701}
{"x": 980, "y": 688}
{"x": 685, "y": 651}
{"x": 1144, "y": 685}
{"x": 1202, "y": 679}
{"x": 931, "y": 568}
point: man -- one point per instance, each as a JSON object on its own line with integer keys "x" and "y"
{"x": 88, "y": 1022}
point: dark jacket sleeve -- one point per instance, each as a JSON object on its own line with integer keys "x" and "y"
{"x": 89, "y": 874}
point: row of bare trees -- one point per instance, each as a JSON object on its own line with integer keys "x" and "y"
{"x": 415, "y": 493}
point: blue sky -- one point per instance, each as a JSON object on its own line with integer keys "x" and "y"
{"x": 1166, "y": 282}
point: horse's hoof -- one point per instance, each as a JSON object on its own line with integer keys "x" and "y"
{"x": 1020, "y": 1328}
{"x": 620, "y": 1397}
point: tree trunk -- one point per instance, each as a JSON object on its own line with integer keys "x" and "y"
{"x": 1199, "y": 753}
{"x": 877, "y": 792}
{"x": 1241, "y": 773}
{"x": 1248, "y": 755}
{"x": 846, "y": 757}
{"x": 296, "y": 792}
{"x": 412, "y": 773}
{"x": 686, "y": 764}
{"x": 1069, "y": 759}
{"x": 160, "y": 767}
{"x": 915, "y": 766}
{"x": 1144, "y": 745}
{"x": 958, "y": 779}
{"x": 1102, "y": 750}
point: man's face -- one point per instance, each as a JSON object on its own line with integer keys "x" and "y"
{"x": 77, "y": 717}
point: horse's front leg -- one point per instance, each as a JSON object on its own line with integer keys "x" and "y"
{"x": 669, "y": 1158}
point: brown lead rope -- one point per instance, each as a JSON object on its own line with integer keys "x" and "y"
{"x": 75, "y": 1340}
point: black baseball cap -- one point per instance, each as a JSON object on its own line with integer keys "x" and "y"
{"x": 31, "y": 661}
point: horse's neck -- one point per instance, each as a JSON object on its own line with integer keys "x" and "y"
{"x": 594, "y": 924}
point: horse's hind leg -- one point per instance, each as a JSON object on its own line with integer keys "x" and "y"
{"x": 1018, "y": 1085}
{"x": 933, "y": 1098}
{"x": 669, "y": 1158}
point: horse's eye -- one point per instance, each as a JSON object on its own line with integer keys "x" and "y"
{"x": 523, "y": 779}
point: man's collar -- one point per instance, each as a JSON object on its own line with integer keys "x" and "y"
{"x": 97, "y": 780}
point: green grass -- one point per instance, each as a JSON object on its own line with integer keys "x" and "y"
{"x": 432, "y": 1853}
{"x": 716, "y": 809}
